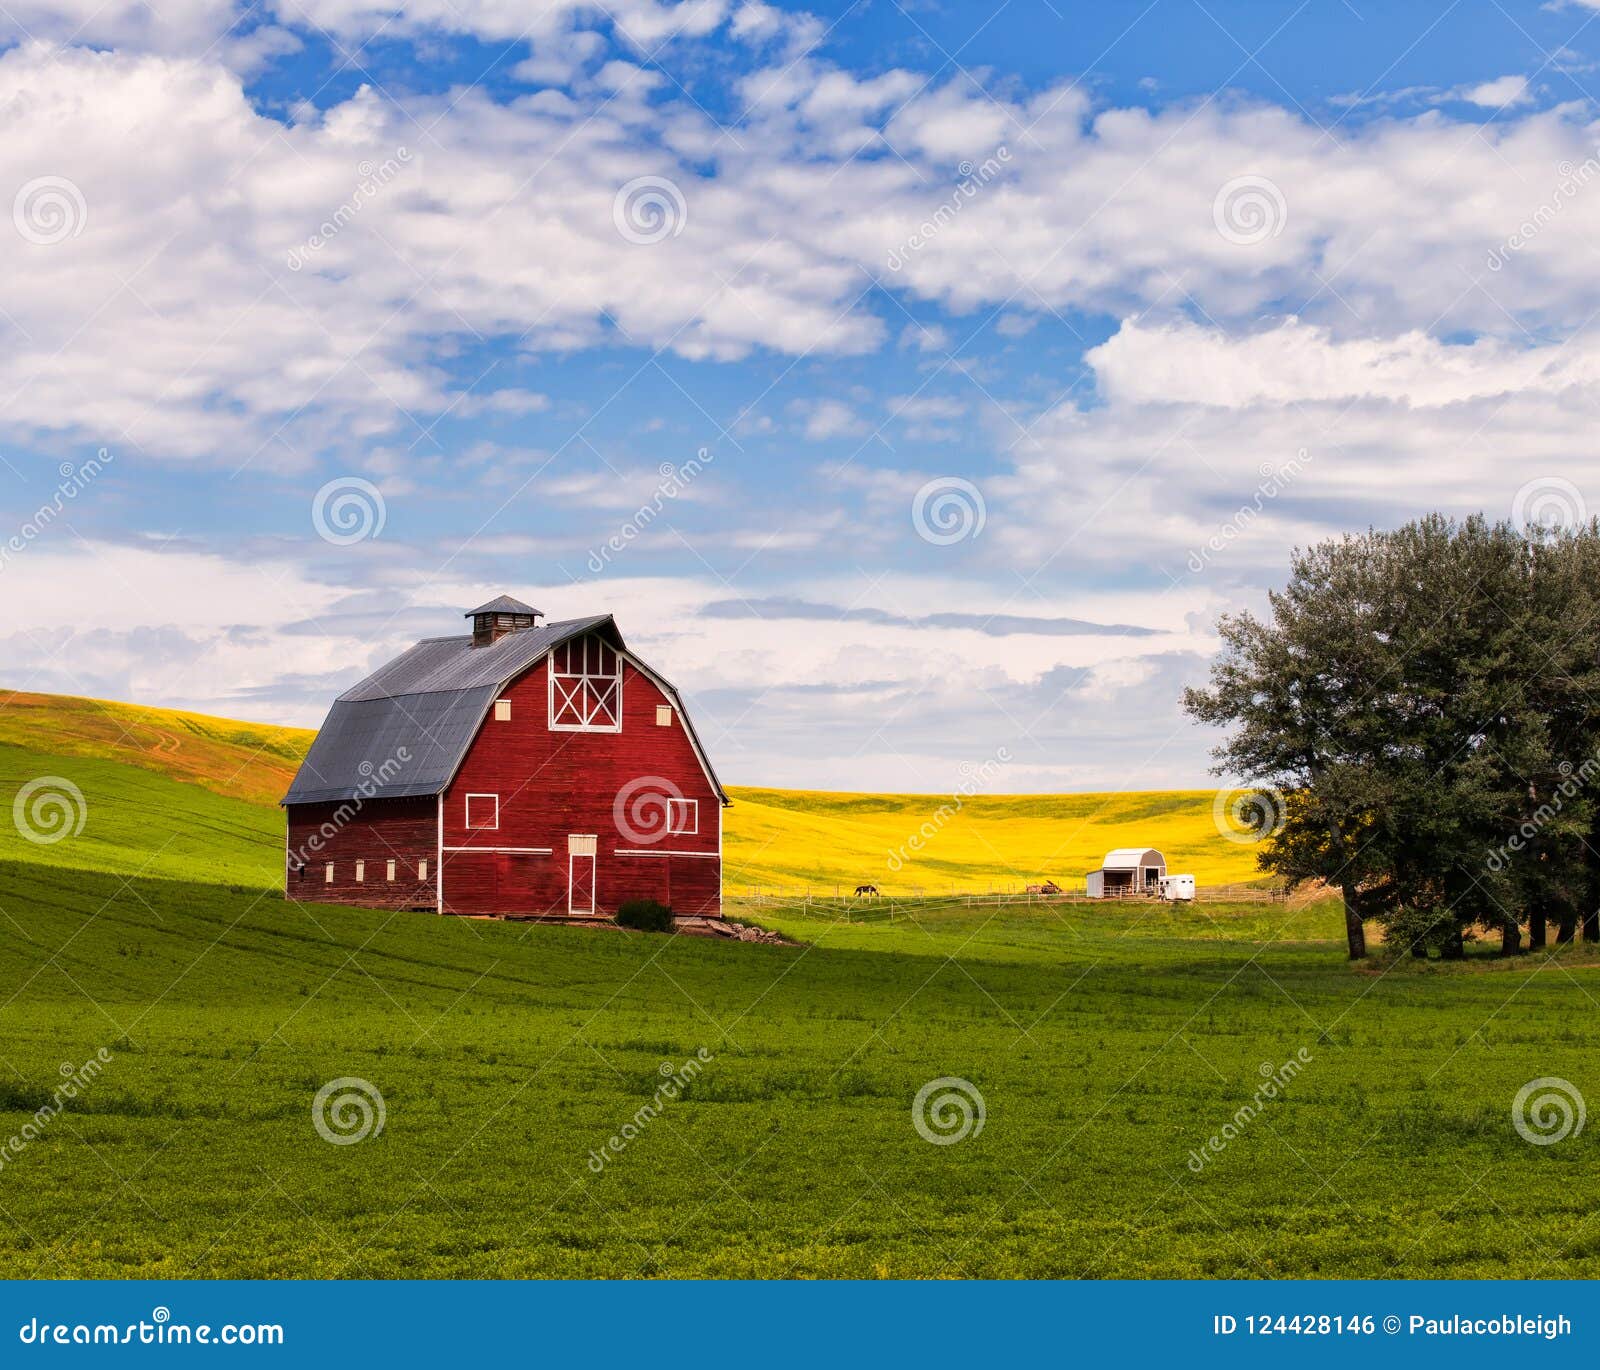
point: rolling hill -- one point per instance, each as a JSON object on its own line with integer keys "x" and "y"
{"x": 191, "y": 797}
{"x": 477, "y": 1075}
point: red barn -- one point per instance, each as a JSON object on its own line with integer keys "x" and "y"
{"x": 524, "y": 769}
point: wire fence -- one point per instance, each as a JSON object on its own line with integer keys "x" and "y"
{"x": 874, "y": 903}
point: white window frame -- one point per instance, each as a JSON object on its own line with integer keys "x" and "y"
{"x": 466, "y": 815}
{"x": 422, "y": 869}
{"x": 566, "y": 695}
{"x": 327, "y": 873}
{"x": 502, "y": 711}
{"x": 388, "y": 872}
{"x": 361, "y": 872}
{"x": 663, "y": 715}
{"x": 690, "y": 809}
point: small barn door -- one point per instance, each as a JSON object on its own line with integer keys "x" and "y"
{"x": 580, "y": 874}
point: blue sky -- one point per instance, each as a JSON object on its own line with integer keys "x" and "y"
{"x": 912, "y": 381}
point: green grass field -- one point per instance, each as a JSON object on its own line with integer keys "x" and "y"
{"x": 1107, "y": 1043}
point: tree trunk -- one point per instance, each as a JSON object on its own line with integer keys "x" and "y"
{"x": 1566, "y": 927}
{"x": 1510, "y": 939}
{"x": 1452, "y": 948}
{"x": 1536, "y": 928}
{"x": 1355, "y": 933}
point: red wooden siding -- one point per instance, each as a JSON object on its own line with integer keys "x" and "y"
{"x": 553, "y": 785}
{"x": 533, "y": 788}
{"x": 374, "y": 832}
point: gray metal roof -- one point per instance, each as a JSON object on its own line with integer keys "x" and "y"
{"x": 390, "y": 748}
{"x": 403, "y": 731}
{"x": 504, "y": 604}
{"x": 453, "y": 663}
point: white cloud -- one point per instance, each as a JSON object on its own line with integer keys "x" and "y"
{"x": 831, "y": 419}
{"x": 1501, "y": 93}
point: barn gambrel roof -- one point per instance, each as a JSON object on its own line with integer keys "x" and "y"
{"x": 1130, "y": 858}
{"x": 404, "y": 730}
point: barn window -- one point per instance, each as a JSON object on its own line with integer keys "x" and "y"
{"x": 422, "y": 869}
{"x": 502, "y": 711}
{"x": 586, "y": 686}
{"x": 389, "y": 875}
{"x": 361, "y": 871}
{"x": 683, "y": 816}
{"x": 483, "y": 811}
{"x": 663, "y": 715}
{"x": 327, "y": 874}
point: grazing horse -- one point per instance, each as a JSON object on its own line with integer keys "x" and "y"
{"x": 862, "y": 891}
{"x": 1049, "y": 887}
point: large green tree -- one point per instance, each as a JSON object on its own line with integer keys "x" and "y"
{"x": 1418, "y": 703}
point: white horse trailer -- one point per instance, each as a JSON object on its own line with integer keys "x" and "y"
{"x": 1177, "y": 887}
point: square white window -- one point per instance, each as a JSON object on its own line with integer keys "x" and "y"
{"x": 389, "y": 874}
{"x": 483, "y": 811}
{"x": 422, "y": 869}
{"x": 327, "y": 874}
{"x": 683, "y": 816}
{"x": 361, "y": 872}
{"x": 663, "y": 715}
{"x": 502, "y": 711}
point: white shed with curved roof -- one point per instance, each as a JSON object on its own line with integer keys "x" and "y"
{"x": 1126, "y": 871}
